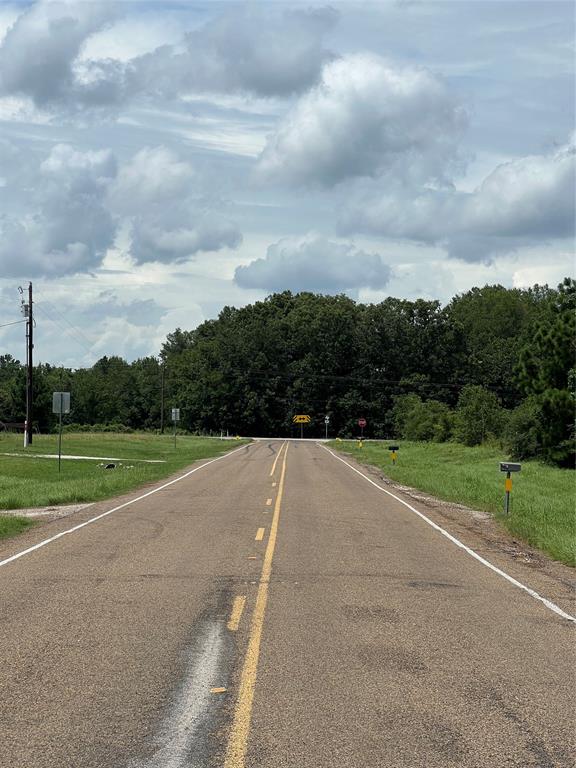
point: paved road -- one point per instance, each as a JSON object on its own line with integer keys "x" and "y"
{"x": 272, "y": 609}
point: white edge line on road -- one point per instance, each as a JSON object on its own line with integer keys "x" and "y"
{"x": 548, "y": 603}
{"x": 110, "y": 511}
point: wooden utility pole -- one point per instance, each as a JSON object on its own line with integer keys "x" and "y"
{"x": 29, "y": 366}
{"x": 162, "y": 398}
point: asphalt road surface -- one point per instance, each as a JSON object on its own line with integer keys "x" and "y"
{"x": 276, "y": 608}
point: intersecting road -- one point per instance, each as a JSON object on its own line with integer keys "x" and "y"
{"x": 277, "y": 608}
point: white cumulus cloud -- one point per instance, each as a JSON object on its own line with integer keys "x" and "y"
{"x": 366, "y": 117}
{"x": 153, "y": 175}
{"x": 38, "y": 52}
{"x": 245, "y": 50}
{"x": 314, "y": 263}
{"x": 82, "y": 199}
{"x": 173, "y": 239}
{"x": 171, "y": 221}
{"x": 521, "y": 202}
{"x": 67, "y": 227}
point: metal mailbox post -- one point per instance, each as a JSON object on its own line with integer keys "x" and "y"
{"x": 508, "y": 467}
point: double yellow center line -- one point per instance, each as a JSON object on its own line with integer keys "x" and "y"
{"x": 238, "y": 739}
{"x": 277, "y": 457}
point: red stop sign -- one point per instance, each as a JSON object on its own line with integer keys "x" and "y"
{"x": 362, "y": 422}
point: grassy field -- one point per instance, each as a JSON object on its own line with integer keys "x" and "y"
{"x": 543, "y": 498}
{"x": 35, "y": 482}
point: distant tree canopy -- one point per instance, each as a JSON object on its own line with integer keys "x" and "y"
{"x": 495, "y": 363}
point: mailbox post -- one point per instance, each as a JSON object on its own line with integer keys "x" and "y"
{"x": 393, "y": 452}
{"x": 508, "y": 467}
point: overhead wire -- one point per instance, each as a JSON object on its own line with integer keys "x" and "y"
{"x": 261, "y": 375}
{"x": 46, "y": 303}
{"x": 44, "y": 310}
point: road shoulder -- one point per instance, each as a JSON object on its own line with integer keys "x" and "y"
{"x": 482, "y": 533}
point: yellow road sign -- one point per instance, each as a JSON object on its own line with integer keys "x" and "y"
{"x": 301, "y": 418}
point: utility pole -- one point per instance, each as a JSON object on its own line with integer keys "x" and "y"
{"x": 29, "y": 315}
{"x": 162, "y": 398}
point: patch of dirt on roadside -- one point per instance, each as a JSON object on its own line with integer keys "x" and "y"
{"x": 46, "y": 513}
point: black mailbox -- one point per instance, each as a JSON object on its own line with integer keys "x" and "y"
{"x": 506, "y": 466}
{"x": 393, "y": 447}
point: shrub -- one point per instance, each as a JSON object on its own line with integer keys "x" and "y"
{"x": 557, "y": 427}
{"x": 431, "y": 421}
{"x": 479, "y": 416}
{"x": 401, "y": 410}
{"x": 523, "y": 431}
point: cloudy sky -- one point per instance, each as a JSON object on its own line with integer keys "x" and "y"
{"x": 159, "y": 160}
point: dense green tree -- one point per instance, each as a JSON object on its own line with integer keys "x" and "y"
{"x": 402, "y": 365}
{"x": 430, "y": 420}
{"x": 524, "y": 429}
{"x": 12, "y": 383}
{"x": 146, "y": 374}
{"x": 401, "y": 410}
{"x": 494, "y": 320}
{"x": 479, "y": 415}
{"x": 545, "y": 370}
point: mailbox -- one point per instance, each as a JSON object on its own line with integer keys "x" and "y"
{"x": 393, "y": 447}
{"x": 506, "y": 466}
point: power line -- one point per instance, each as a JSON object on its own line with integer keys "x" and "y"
{"x": 75, "y": 328}
{"x": 260, "y": 375}
{"x": 16, "y": 322}
{"x": 66, "y": 320}
{"x": 77, "y": 338}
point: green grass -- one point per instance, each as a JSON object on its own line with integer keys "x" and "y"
{"x": 35, "y": 482}
{"x": 543, "y": 510}
{"x": 10, "y": 526}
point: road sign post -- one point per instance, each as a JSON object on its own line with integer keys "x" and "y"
{"x": 393, "y": 452}
{"x": 301, "y": 418}
{"x": 175, "y": 418}
{"x": 326, "y": 422}
{"x": 508, "y": 467}
{"x": 361, "y": 424}
{"x": 60, "y": 405}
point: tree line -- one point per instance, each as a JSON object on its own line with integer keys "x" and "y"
{"x": 494, "y": 364}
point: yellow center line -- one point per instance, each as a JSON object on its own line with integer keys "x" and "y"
{"x": 236, "y": 614}
{"x": 259, "y": 534}
{"x": 276, "y": 459}
{"x": 238, "y": 739}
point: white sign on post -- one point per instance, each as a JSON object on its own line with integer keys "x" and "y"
{"x": 61, "y": 402}
{"x": 60, "y": 405}
{"x": 175, "y": 414}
